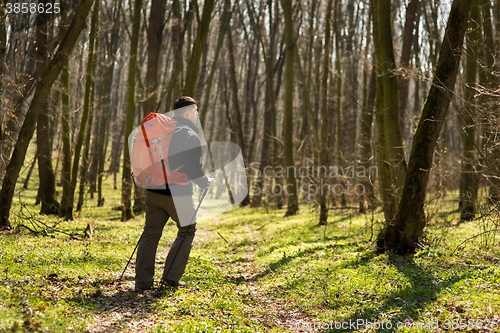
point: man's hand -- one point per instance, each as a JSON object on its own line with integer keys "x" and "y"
{"x": 212, "y": 183}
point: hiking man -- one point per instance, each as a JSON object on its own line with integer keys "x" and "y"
{"x": 184, "y": 158}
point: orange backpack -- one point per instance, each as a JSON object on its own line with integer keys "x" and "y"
{"x": 149, "y": 153}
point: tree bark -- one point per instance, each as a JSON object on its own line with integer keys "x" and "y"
{"x": 3, "y": 51}
{"x": 47, "y": 184}
{"x": 326, "y": 120}
{"x": 270, "y": 104}
{"x": 491, "y": 51}
{"x": 155, "y": 38}
{"x": 403, "y": 77}
{"x": 292, "y": 200}
{"x": 106, "y": 103}
{"x": 65, "y": 126}
{"x": 365, "y": 139}
{"x": 68, "y": 212}
{"x": 42, "y": 90}
{"x": 469, "y": 177}
{"x": 393, "y": 164}
{"x": 404, "y": 232}
{"x": 193, "y": 66}
{"x": 127, "y": 212}
{"x": 224, "y": 23}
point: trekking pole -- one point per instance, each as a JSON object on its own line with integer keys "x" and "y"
{"x": 183, "y": 238}
{"x": 128, "y": 262}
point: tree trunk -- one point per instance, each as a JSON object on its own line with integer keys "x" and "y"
{"x": 127, "y": 212}
{"x": 365, "y": 138}
{"x": 404, "y": 232}
{"x": 270, "y": 104}
{"x": 236, "y": 121}
{"x": 326, "y": 125}
{"x": 155, "y": 37}
{"x": 403, "y": 77}
{"x": 469, "y": 178}
{"x": 86, "y": 149}
{"x": 188, "y": 17}
{"x": 491, "y": 51}
{"x": 68, "y": 213}
{"x": 42, "y": 90}
{"x": 393, "y": 164}
{"x": 106, "y": 103}
{"x": 47, "y": 184}
{"x": 65, "y": 127}
{"x": 193, "y": 66}
{"x": 341, "y": 151}
{"x": 366, "y": 143}
{"x": 224, "y": 22}
{"x": 14, "y": 119}
{"x": 292, "y": 201}
{"x": 3, "y": 51}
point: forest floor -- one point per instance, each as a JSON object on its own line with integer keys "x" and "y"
{"x": 251, "y": 270}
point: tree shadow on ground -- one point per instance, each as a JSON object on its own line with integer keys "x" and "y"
{"x": 422, "y": 291}
{"x": 116, "y": 306}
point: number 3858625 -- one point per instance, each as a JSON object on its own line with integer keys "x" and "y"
{"x": 32, "y": 8}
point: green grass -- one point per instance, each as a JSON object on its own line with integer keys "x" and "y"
{"x": 251, "y": 270}
{"x": 272, "y": 274}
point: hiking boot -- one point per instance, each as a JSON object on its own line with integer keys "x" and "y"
{"x": 173, "y": 284}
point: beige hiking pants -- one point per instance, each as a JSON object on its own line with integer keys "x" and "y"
{"x": 159, "y": 208}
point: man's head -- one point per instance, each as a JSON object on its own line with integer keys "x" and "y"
{"x": 182, "y": 109}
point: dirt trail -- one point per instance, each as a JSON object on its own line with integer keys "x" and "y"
{"x": 279, "y": 311}
{"x": 119, "y": 308}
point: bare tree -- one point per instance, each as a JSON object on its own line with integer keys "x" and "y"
{"x": 42, "y": 90}
{"x": 127, "y": 212}
{"x": 291, "y": 185}
{"x": 404, "y": 232}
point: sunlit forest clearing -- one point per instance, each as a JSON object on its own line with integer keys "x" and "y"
{"x": 250, "y": 270}
{"x": 355, "y": 150}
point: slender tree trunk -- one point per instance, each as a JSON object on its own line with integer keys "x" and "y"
{"x": 403, "y": 78}
{"x": 326, "y": 123}
{"x": 30, "y": 172}
{"x": 41, "y": 93}
{"x": 3, "y": 51}
{"x": 106, "y": 103}
{"x": 270, "y": 104}
{"x": 224, "y": 22}
{"x": 491, "y": 51}
{"x": 193, "y": 66}
{"x": 68, "y": 213}
{"x": 291, "y": 185}
{"x": 236, "y": 120}
{"x": 127, "y": 212}
{"x": 15, "y": 119}
{"x": 365, "y": 139}
{"x": 393, "y": 164}
{"x": 178, "y": 53}
{"x": 86, "y": 150}
{"x": 366, "y": 142}
{"x": 47, "y": 184}
{"x": 155, "y": 37}
{"x": 405, "y": 230}
{"x": 341, "y": 153}
{"x": 65, "y": 127}
{"x": 469, "y": 178}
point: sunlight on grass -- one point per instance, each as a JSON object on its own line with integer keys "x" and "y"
{"x": 251, "y": 270}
